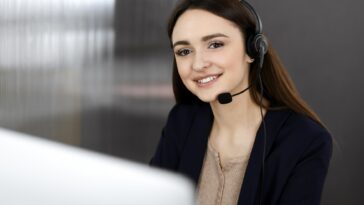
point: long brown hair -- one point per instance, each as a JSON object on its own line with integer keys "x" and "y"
{"x": 278, "y": 87}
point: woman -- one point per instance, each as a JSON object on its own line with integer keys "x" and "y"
{"x": 266, "y": 146}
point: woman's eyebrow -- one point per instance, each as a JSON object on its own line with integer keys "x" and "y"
{"x": 205, "y": 38}
{"x": 181, "y": 43}
{"x": 208, "y": 37}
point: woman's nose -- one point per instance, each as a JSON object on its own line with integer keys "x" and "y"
{"x": 200, "y": 61}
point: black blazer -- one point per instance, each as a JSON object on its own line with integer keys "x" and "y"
{"x": 297, "y": 157}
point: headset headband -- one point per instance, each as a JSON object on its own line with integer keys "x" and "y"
{"x": 259, "y": 25}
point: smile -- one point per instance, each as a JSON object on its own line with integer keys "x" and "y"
{"x": 207, "y": 80}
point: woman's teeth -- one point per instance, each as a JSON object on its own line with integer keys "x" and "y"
{"x": 207, "y": 79}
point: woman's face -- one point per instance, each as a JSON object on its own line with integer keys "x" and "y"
{"x": 210, "y": 54}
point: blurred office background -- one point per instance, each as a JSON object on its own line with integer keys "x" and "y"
{"x": 93, "y": 73}
{"x": 97, "y": 74}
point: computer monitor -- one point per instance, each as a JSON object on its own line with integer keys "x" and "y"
{"x": 36, "y": 171}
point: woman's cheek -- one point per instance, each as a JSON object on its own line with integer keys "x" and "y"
{"x": 183, "y": 69}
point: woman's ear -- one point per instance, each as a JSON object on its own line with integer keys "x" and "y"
{"x": 248, "y": 59}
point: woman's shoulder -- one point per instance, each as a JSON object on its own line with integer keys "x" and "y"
{"x": 304, "y": 125}
{"x": 181, "y": 120}
{"x": 301, "y": 132}
{"x": 183, "y": 110}
{"x": 182, "y": 113}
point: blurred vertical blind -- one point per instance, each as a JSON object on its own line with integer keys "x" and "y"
{"x": 91, "y": 73}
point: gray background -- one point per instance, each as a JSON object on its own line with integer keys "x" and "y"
{"x": 320, "y": 43}
{"x": 96, "y": 74}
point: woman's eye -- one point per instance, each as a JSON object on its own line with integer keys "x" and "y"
{"x": 216, "y": 45}
{"x": 183, "y": 52}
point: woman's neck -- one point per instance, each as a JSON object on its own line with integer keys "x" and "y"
{"x": 241, "y": 113}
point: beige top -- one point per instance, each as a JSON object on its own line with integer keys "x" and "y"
{"x": 219, "y": 183}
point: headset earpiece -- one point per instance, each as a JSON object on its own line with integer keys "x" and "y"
{"x": 257, "y": 43}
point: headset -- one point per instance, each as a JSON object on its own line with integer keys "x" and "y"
{"x": 257, "y": 46}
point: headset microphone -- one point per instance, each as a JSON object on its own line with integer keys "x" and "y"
{"x": 225, "y": 98}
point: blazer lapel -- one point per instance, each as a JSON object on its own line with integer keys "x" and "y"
{"x": 196, "y": 144}
{"x": 250, "y": 193}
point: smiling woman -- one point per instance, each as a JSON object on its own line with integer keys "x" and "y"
{"x": 266, "y": 146}
{"x": 216, "y": 44}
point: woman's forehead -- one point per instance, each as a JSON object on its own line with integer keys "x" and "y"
{"x": 196, "y": 23}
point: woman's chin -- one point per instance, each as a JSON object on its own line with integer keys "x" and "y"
{"x": 207, "y": 99}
